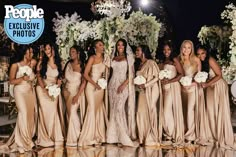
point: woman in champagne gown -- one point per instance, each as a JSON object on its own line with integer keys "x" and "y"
{"x": 94, "y": 126}
{"x": 25, "y": 99}
{"x": 217, "y": 102}
{"x": 119, "y": 93}
{"x": 51, "y": 118}
{"x": 74, "y": 94}
{"x": 150, "y": 109}
{"x": 193, "y": 98}
{"x": 173, "y": 124}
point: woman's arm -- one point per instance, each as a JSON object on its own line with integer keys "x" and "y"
{"x": 12, "y": 78}
{"x": 216, "y": 68}
{"x": 87, "y": 70}
{"x": 81, "y": 89}
{"x": 39, "y": 77}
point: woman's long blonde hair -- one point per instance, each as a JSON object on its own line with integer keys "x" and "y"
{"x": 192, "y": 54}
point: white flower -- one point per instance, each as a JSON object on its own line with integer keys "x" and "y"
{"x": 186, "y": 81}
{"x": 102, "y": 83}
{"x": 25, "y": 71}
{"x": 53, "y": 91}
{"x": 165, "y": 74}
{"x": 139, "y": 80}
{"x": 201, "y": 77}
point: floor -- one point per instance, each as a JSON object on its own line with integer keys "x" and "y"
{"x": 115, "y": 151}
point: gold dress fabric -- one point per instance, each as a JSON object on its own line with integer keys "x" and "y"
{"x": 117, "y": 130}
{"x": 51, "y": 128}
{"x": 25, "y": 99}
{"x": 189, "y": 101}
{"x": 218, "y": 110}
{"x": 195, "y": 116}
{"x": 74, "y": 120}
{"x": 173, "y": 113}
{"x": 150, "y": 106}
{"x": 94, "y": 126}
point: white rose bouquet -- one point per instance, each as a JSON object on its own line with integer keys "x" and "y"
{"x": 186, "y": 81}
{"x": 139, "y": 80}
{"x": 102, "y": 83}
{"x": 201, "y": 77}
{"x": 53, "y": 91}
{"x": 25, "y": 71}
{"x": 165, "y": 74}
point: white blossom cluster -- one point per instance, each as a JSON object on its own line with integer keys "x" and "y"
{"x": 139, "y": 28}
{"x": 230, "y": 14}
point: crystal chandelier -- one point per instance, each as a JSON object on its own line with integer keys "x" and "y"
{"x": 111, "y": 8}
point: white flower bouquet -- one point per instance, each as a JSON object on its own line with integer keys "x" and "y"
{"x": 102, "y": 83}
{"x": 201, "y": 77}
{"x": 186, "y": 81}
{"x": 25, "y": 71}
{"x": 53, "y": 91}
{"x": 165, "y": 74}
{"x": 139, "y": 80}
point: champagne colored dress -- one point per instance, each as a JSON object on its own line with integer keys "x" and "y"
{"x": 195, "y": 116}
{"x": 150, "y": 106}
{"x": 51, "y": 120}
{"x": 218, "y": 110}
{"x": 173, "y": 113}
{"x": 74, "y": 121}
{"x": 94, "y": 126}
{"x": 117, "y": 130}
{"x": 25, "y": 99}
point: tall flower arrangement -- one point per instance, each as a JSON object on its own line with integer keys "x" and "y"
{"x": 3, "y": 36}
{"x": 217, "y": 37}
{"x": 139, "y": 28}
{"x": 230, "y": 16}
{"x": 143, "y": 29}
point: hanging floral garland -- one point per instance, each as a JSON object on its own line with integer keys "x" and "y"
{"x": 139, "y": 28}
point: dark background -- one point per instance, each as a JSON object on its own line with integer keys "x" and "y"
{"x": 183, "y": 18}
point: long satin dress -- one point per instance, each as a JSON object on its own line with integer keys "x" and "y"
{"x": 25, "y": 99}
{"x": 195, "y": 116}
{"x": 173, "y": 112}
{"x": 117, "y": 130}
{"x": 218, "y": 110}
{"x": 150, "y": 109}
{"x": 94, "y": 126}
{"x": 74, "y": 121}
{"x": 189, "y": 99}
{"x": 51, "y": 118}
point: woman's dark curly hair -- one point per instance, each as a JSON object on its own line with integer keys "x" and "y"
{"x": 125, "y": 45}
{"x": 82, "y": 58}
{"x": 205, "y": 63}
{"x": 57, "y": 61}
{"x": 20, "y": 52}
{"x": 172, "y": 54}
{"x": 92, "y": 51}
{"x": 147, "y": 53}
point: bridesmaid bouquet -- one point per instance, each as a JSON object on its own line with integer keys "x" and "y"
{"x": 25, "y": 71}
{"x": 165, "y": 74}
{"x": 53, "y": 91}
{"x": 186, "y": 81}
{"x": 138, "y": 80}
{"x": 201, "y": 77}
{"x": 102, "y": 83}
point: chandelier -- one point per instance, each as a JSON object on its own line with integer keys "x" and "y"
{"x": 111, "y": 8}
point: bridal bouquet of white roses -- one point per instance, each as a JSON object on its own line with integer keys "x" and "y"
{"x": 102, "y": 83}
{"x": 53, "y": 91}
{"x": 165, "y": 74}
{"x": 201, "y": 77}
{"x": 186, "y": 81}
{"x": 139, "y": 80}
{"x": 25, "y": 71}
